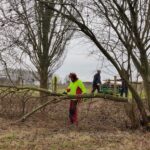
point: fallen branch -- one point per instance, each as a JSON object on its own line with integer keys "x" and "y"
{"x": 59, "y": 99}
{"x": 100, "y": 95}
{"x": 19, "y": 88}
{"x": 49, "y": 93}
{"x": 54, "y": 101}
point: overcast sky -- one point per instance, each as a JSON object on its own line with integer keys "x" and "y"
{"x": 85, "y": 66}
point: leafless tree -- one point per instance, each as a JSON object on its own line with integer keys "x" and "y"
{"x": 121, "y": 31}
{"x": 31, "y": 30}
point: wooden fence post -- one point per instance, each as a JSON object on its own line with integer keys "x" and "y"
{"x": 115, "y": 85}
{"x": 55, "y": 84}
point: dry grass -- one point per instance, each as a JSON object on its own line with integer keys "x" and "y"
{"x": 102, "y": 128}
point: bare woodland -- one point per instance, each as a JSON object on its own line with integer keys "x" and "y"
{"x": 125, "y": 32}
{"x": 39, "y": 31}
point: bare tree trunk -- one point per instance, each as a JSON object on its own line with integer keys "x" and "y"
{"x": 139, "y": 105}
{"x": 147, "y": 91}
{"x": 44, "y": 84}
{"x": 130, "y": 109}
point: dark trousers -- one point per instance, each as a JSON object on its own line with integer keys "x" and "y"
{"x": 124, "y": 90}
{"x": 96, "y": 87}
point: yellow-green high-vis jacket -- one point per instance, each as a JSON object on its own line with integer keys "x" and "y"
{"x": 74, "y": 87}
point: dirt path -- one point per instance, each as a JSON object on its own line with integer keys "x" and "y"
{"x": 101, "y": 128}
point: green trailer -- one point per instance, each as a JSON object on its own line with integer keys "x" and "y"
{"x": 109, "y": 89}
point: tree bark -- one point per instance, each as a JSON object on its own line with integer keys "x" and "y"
{"x": 140, "y": 105}
{"x": 44, "y": 83}
{"x": 147, "y": 91}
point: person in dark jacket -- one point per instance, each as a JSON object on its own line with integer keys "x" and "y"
{"x": 124, "y": 88}
{"x": 96, "y": 82}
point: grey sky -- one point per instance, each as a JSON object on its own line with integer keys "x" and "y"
{"x": 79, "y": 61}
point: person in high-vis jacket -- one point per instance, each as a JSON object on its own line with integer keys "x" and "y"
{"x": 76, "y": 87}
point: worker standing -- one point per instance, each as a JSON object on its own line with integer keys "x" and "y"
{"x": 124, "y": 88}
{"x": 76, "y": 87}
{"x": 96, "y": 82}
